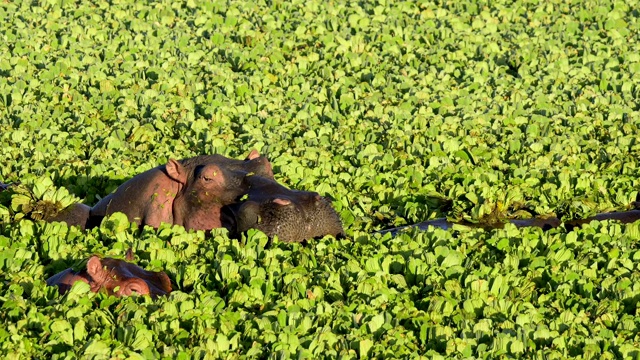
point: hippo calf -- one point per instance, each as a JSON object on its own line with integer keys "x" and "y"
{"x": 292, "y": 215}
{"x": 116, "y": 277}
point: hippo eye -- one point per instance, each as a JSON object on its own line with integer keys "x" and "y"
{"x": 208, "y": 176}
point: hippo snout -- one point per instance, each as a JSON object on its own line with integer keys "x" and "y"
{"x": 292, "y": 217}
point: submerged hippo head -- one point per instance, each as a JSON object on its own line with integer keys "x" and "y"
{"x": 116, "y": 277}
{"x": 292, "y": 215}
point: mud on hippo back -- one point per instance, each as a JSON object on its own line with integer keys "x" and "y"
{"x": 292, "y": 215}
{"x": 189, "y": 192}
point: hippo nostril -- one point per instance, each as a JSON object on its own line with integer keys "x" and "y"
{"x": 282, "y": 202}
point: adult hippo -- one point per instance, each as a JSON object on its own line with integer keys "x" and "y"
{"x": 116, "y": 277}
{"x": 292, "y": 215}
{"x": 189, "y": 192}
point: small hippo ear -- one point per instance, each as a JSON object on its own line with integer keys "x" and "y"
{"x": 253, "y": 155}
{"x": 176, "y": 171}
{"x": 129, "y": 256}
{"x": 94, "y": 267}
{"x": 282, "y": 202}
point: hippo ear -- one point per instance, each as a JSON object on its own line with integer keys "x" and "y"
{"x": 253, "y": 154}
{"x": 176, "y": 171}
{"x": 133, "y": 285}
{"x": 94, "y": 267}
{"x": 165, "y": 282}
{"x": 129, "y": 256}
{"x": 248, "y": 216}
{"x": 282, "y": 202}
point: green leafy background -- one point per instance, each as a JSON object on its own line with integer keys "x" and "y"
{"x": 400, "y": 111}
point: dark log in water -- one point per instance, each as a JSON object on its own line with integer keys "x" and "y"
{"x": 544, "y": 223}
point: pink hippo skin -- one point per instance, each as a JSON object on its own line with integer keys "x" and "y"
{"x": 189, "y": 192}
{"x": 292, "y": 215}
{"x": 116, "y": 277}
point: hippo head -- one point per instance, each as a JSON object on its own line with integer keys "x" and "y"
{"x": 205, "y": 190}
{"x": 116, "y": 277}
{"x": 307, "y": 217}
{"x": 204, "y": 184}
{"x": 294, "y": 216}
{"x": 214, "y": 180}
{"x": 252, "y": 164}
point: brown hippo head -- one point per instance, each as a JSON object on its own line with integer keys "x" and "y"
{"x": 252, "y": 164}
{"x": 116, "y": 277}
{"x": 292, "y": 215}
